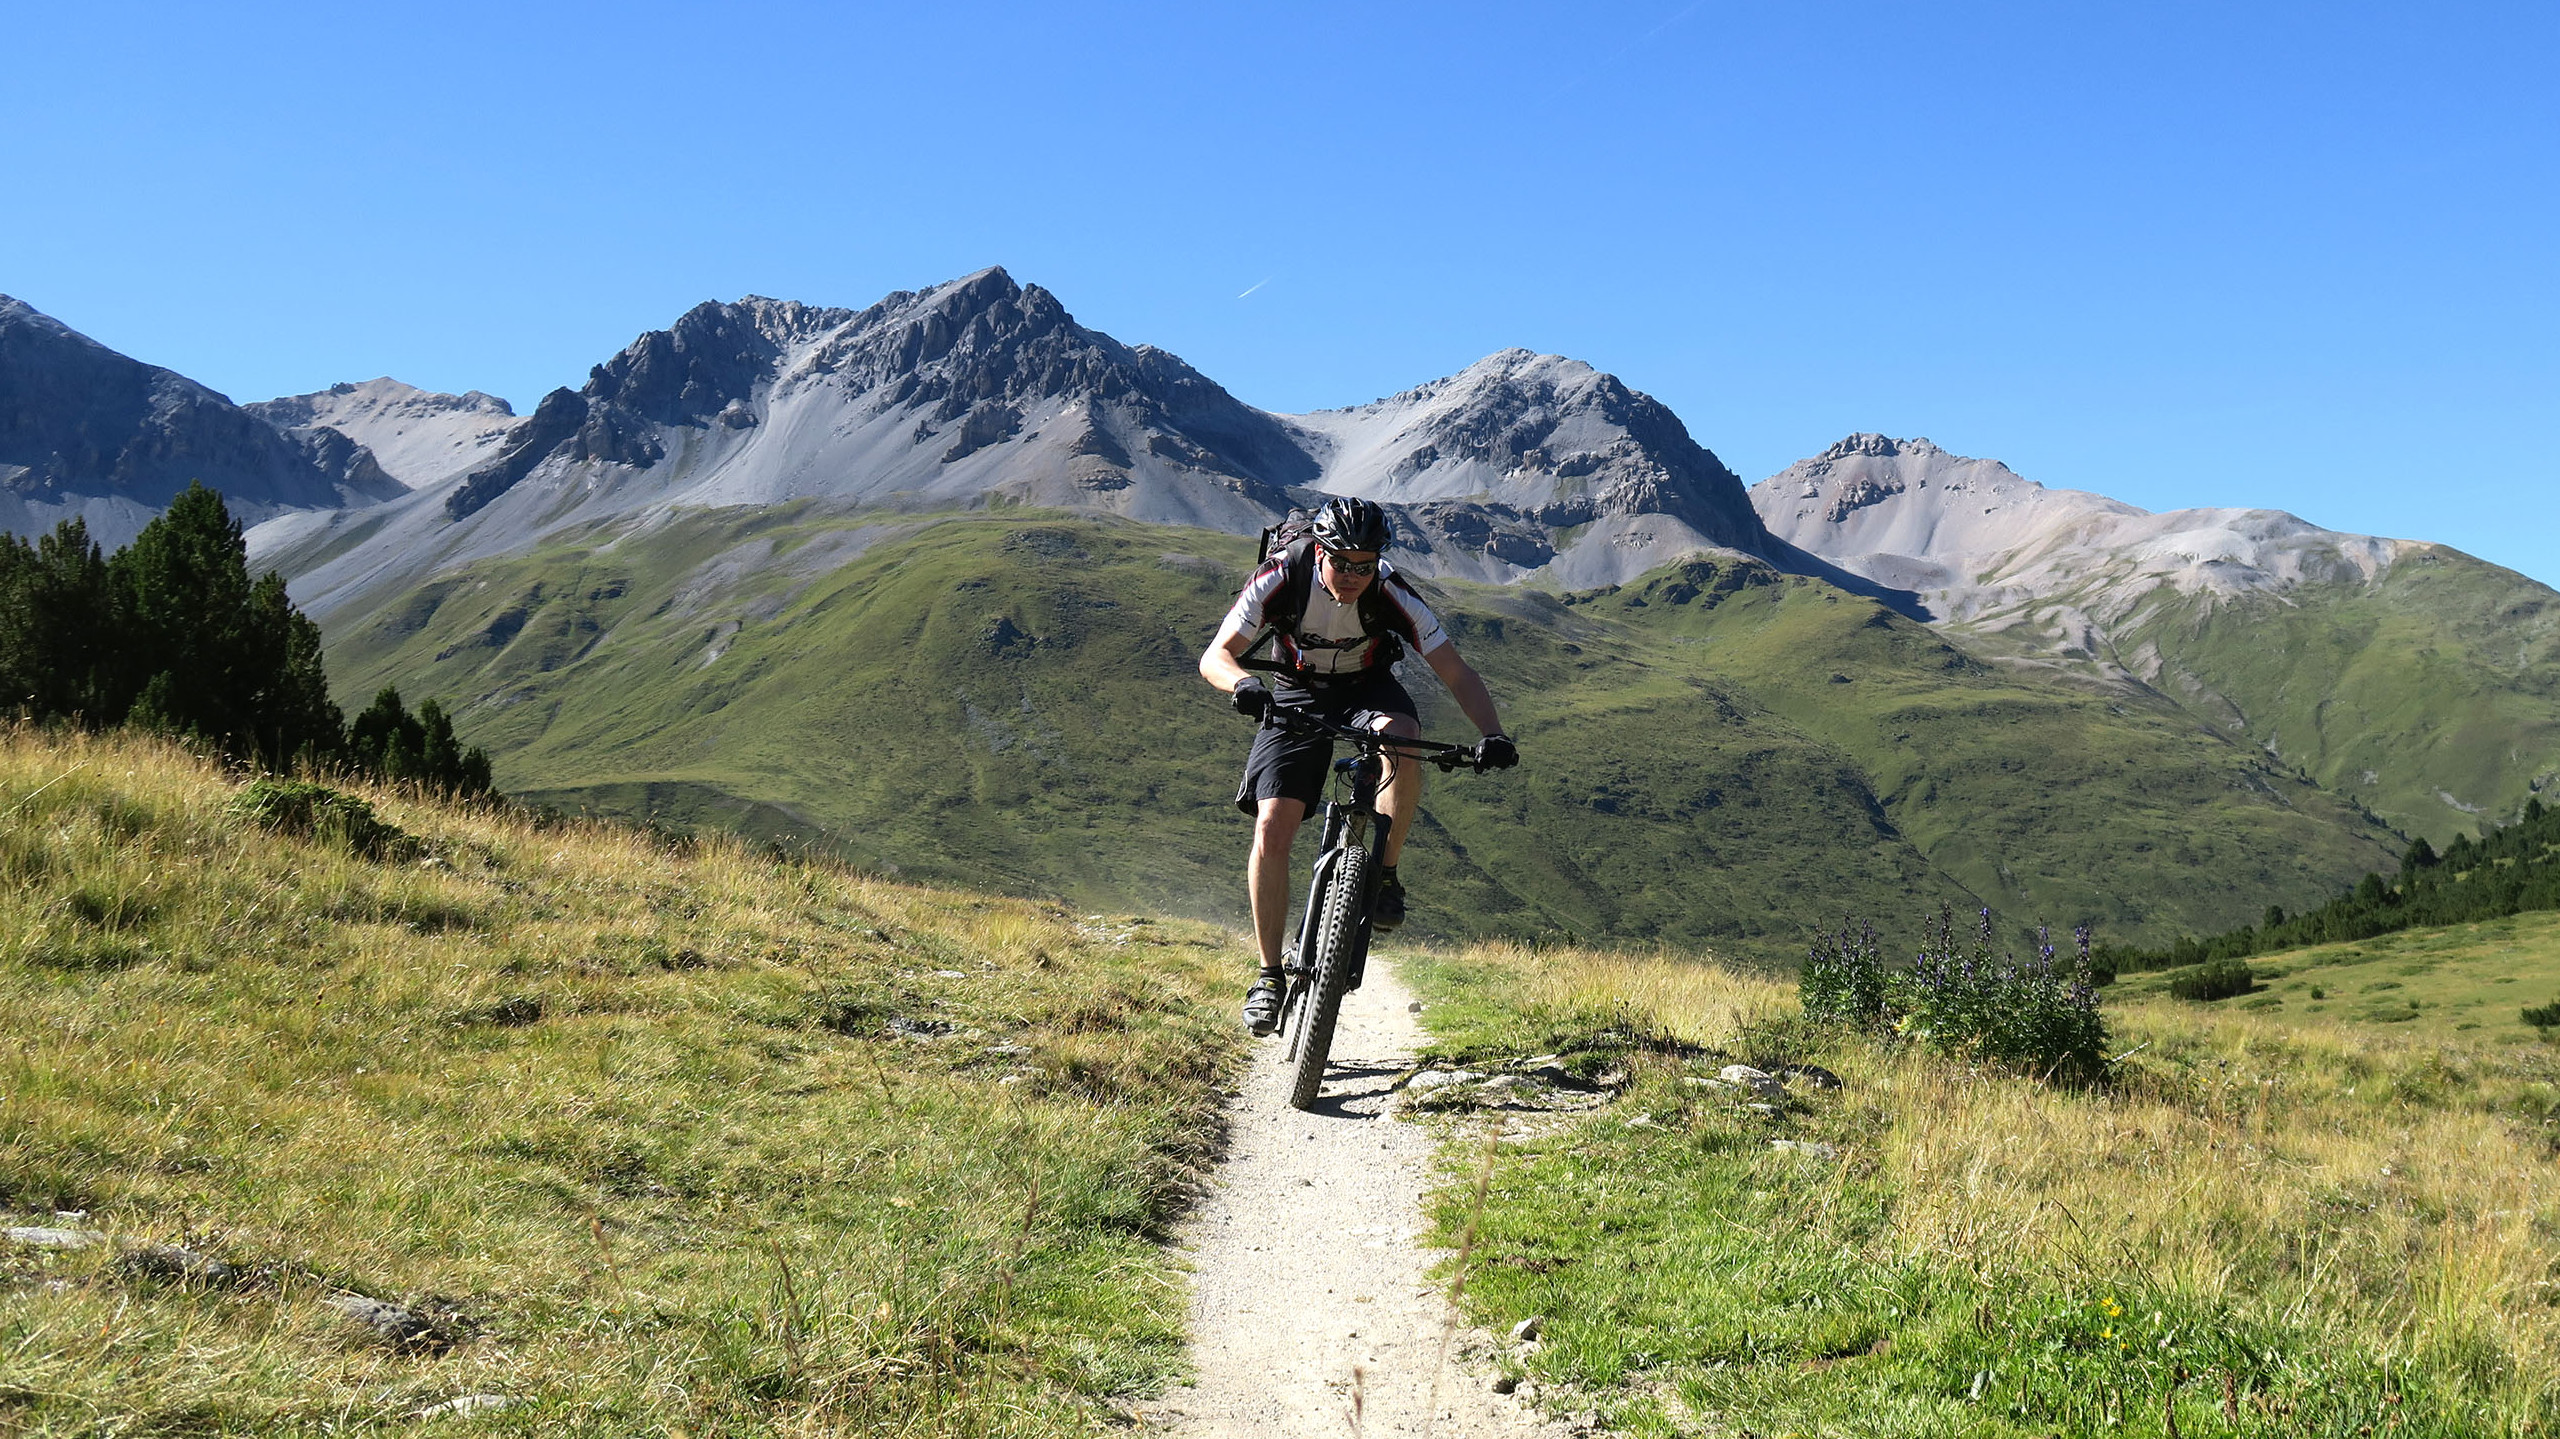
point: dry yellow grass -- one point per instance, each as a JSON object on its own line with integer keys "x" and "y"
{"x": 640, "y": 1113}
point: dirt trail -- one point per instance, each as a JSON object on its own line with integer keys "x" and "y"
{"x": 1290, "y": 1335}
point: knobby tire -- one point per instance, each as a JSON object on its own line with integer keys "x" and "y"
{"x": 1337, "y": 937}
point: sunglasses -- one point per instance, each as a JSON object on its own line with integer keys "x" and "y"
{"x": 1351, "y": 567}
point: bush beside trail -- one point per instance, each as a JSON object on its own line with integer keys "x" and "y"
{"x": 2035, "y": 1016}
{"x": 299, "y": 807}
{"x": 2220, "y": 979}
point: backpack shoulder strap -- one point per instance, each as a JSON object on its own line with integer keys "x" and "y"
{"x": 1288, "y": 604}
{"x": 1379, "y": 615}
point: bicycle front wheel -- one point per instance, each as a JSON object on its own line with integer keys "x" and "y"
{"x": 1338, "y": 936}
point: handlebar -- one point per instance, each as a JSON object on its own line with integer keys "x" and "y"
{"x": 1447, "y": 756}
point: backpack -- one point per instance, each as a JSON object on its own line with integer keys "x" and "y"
{"x": 1293, "y": 541}
{"x": 1294, "y": 526}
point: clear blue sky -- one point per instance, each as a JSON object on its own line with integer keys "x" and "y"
{"x": 2295, "y": 255}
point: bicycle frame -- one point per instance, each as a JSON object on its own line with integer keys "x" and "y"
{"x": 1347, "y": 823}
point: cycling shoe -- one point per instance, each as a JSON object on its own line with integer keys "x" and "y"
{"x": 1388, "y": 912}
{"x": 1262, "y": 1005}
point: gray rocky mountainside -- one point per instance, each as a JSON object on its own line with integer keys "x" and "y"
{"x": 417, "y": 436}
{"x": 1975, "y": 541}
{"x": 983, "y": 392}
{"x": 89, "y": 432}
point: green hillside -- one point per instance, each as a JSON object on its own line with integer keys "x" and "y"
{"x": 1008, "y": 701}
{"x": 2431, "y": 696}
{"x": 2044, "y": 799}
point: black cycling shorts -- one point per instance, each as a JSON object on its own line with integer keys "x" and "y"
{"x": 1293, "y": 766}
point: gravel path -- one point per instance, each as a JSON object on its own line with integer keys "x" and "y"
{"x": 1340, "y": 1337}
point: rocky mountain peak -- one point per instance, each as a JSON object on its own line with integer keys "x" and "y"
{"x": 1973, "y": 538}
{"x": 1869, "y": 445}
{"x": 983, "y": 390}
{"x": 320, "y": 406}
{"x": 1866, "y": 469}
{"x": 87, "y": 431}
{"x": 418, "y": 436}
{"x": 18, "y": 315}
{"x": 1518, "y": 445}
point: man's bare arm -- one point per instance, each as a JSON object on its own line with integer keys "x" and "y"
{"x": 1465, "y": 686}
{"x": 1218, "y": 662}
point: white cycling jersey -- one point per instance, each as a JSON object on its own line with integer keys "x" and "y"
{"x": 1330, "y": 639}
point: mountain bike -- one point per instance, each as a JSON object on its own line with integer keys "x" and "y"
{"x": 1331, "y": 954}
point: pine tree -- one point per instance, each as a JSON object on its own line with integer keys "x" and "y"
{"x": 57, "y": 627}
{"x": 440, "y": 757}
{"x": 415, "y": 749}
{"x": 384, "y": 739}
{"x": 217, "y": 655}
{"x": 171, "y": 633}
{"x": 295, "y": 718}
{"x": 184, "y": 586}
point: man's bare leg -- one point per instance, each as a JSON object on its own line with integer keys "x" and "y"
{"x": 1275, "y": 828}
{"x": 1401, "y": 795}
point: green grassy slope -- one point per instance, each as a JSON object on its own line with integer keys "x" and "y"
{"x": 2044, "y": 800}
{"x": 1009, "y": 701}
{"x": 1012, "y": 703}
{"x": 2432, "y": 696}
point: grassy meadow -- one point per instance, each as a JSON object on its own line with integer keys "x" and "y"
{"x": 2262, "y": 1225}
{"x": 647, "y": 1139}
{"x": 2468, "y": 980}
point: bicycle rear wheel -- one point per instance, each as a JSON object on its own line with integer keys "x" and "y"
{"x": 1338, "y": 936}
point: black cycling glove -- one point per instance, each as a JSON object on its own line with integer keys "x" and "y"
{"x": 1497, "y": 752}
{"x": 1251, "y": 699}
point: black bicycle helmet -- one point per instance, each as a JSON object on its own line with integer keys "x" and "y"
{"x": 1353, "y": 525}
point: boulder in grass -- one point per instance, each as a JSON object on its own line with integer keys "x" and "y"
{"x": 1759, "y": 1081}
{"x": 37, "y": 1236}
{"x": 427, "y": 1328}
{"x": 174, "y": 1264}
{"x": 1812, "y": 1074}
{"x": 467, "y": 1404}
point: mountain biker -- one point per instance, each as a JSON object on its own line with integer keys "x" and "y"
{"x": 1340, "y": 616}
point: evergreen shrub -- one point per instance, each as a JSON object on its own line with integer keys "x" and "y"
{"x": 172, "y": 633}
{"x": 299, "y": 807}
{"x": 2220, "y": 979}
